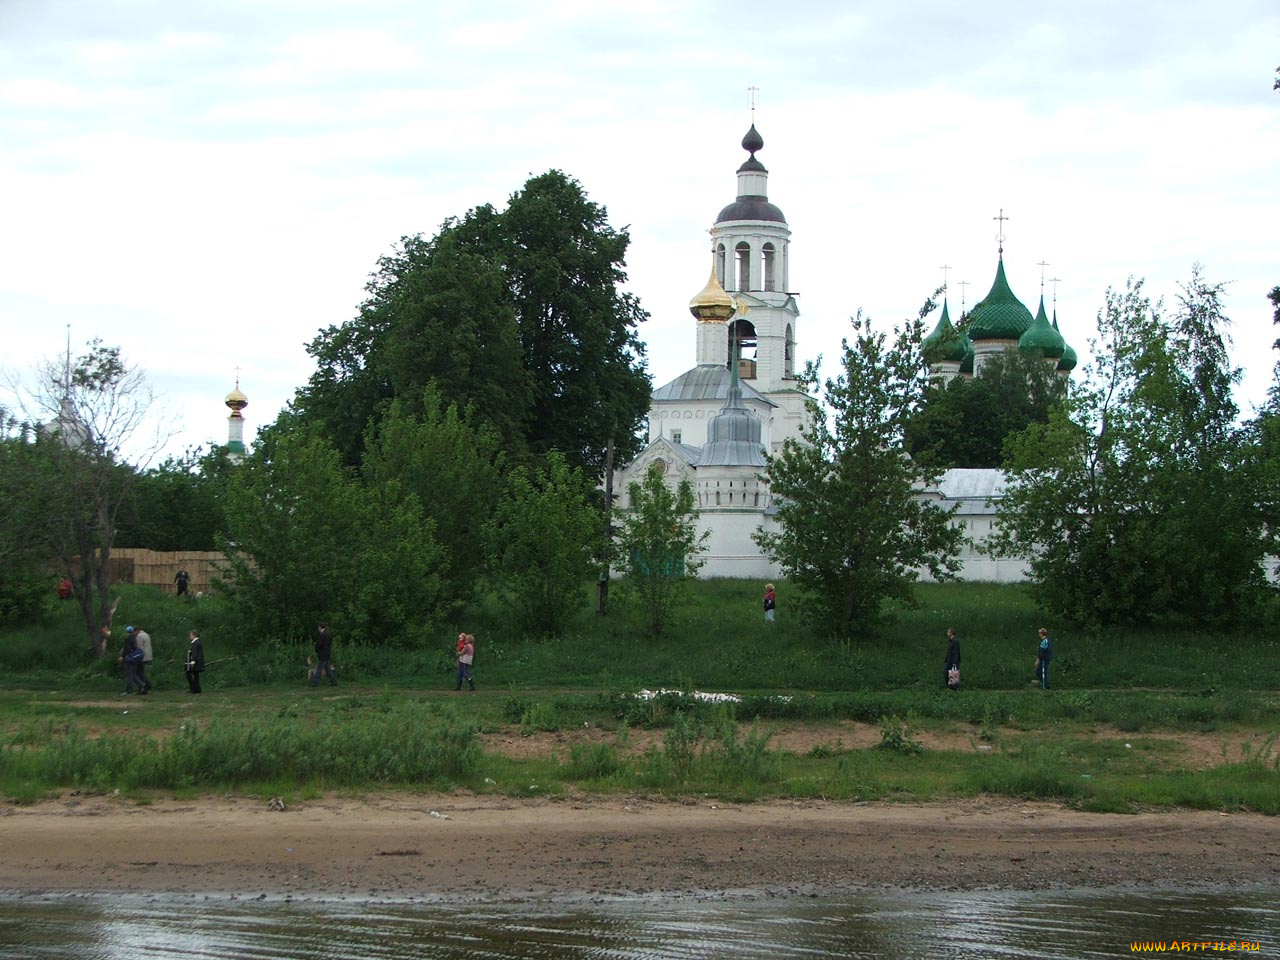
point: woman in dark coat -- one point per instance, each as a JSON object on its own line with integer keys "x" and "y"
{"x": 952, "y": 661}
{"x": 195, "y": 662}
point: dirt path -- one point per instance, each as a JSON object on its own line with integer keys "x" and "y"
{"x": 466, "y": 846}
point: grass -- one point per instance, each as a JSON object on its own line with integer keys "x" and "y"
{"x": 393, "y": 724}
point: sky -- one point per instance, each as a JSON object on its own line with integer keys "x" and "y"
{"x": 209, "y": 186}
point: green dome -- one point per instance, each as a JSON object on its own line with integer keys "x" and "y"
{"x": 1041, "y": 337}
{"x": 1001, "y": 316}
{"x": 945, "y": 344}
{"x": 1069, "y": 358}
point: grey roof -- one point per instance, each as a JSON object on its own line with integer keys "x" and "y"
{"x": 751, "y": 208}
{"x": 707, "y": 381}
{"x": 733, "y": 437}
{"x": 974, "y": 483}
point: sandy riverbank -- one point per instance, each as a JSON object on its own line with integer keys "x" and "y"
{"x": 459, "y": 845}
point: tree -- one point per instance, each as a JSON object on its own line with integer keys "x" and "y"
{"x": 451, "y": 462}
{"x": 853, "y": 527}
{"x": 178, "y": 505}
{"x": 96, "y": 406}
{"x": 437, "y": 312}
{"x": 310, "y": 543}
{"x": 26, "y": 563}
{"x": 543, "y": 543}
{"x": 658, "y": 544}
{"x": 965, "y": 422}
{"x": 516, "y": 315}
{"x": 1136, "y": 501}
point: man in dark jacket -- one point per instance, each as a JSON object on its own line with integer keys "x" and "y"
{"x": 195, "y": 661}
{"x": 953, "y": 660}
{"x": 324, "y": 656}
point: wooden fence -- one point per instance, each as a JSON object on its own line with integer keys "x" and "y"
{"x": 158, "y": 568}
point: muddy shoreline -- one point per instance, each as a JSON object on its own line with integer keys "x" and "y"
{"x": 451, "y": 846}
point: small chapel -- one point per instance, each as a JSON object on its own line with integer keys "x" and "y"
{"x": 715, "y": 423}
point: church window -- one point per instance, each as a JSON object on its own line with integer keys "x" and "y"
{"x": 675, "y": 436}
{"x": 742, "y": 257}
{"x": 717, "y": 498}
{"x": 789, "y": 355}
{"x": 767, "y": 264}
{"x": 724, "y": 281}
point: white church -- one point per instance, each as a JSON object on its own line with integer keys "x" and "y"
{"x": 714, "y": 423}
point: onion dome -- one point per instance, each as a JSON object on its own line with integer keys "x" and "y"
{"x": 1042, "y": 338}
{"x": 1069, "y": 358}
{"x": 712, "y": 304}
{"x": 236, "y": 400}
{"x": 752, "y": 202}
{"x": 1001, "y": 315}
{"x": 946, "y": 344}
{"x": 966, "y": 365}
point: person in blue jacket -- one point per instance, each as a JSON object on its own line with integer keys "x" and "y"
{"x": 1044, "y": 654}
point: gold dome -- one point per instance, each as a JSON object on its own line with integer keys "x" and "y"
{"x": 712, "y": 304}
{"x": 237, "y": 400}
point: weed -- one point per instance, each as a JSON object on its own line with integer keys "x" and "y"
{"x": 899, "y": 735}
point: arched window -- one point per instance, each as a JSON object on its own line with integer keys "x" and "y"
{"x": 742, "y": 348}
{"x": 742, "y": 260}
{"x": 767, "y": 263}
{"x": 789, "y": 355}
{"x": 724, "y": 282}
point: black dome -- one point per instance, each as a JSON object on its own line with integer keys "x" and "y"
{"x": 751, "y": 208}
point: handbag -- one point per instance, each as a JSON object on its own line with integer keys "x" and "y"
{"x": 953, "y": 678}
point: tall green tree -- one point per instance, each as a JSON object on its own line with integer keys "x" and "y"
{"x": 178, "y": 505}
{"x": 853, "y": 527}
{"x": 438, "y": 312}
{"x": 1136, "y": 501}
{"x": 543, "y": 544}
{"x": 27, "y": 565}
{"x": 308, "y": 542}
{"x": 516, "y": 314}
{"x": 658, "y": 545}
{"x": 452, "y": 463}
{"x": 965, "y": 422}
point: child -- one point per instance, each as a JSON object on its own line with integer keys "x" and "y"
{"x": 466, "y": 653}
{"x": 770, "y": 602}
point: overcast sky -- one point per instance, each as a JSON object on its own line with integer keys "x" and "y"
{"x": 209, "y": 185}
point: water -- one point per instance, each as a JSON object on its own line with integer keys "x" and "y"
{"x": 1079, "y": 924}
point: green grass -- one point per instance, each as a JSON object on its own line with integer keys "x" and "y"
{"x": 393, "y": 723}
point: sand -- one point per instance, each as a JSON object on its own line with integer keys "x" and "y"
{"x": 466, "y": 846}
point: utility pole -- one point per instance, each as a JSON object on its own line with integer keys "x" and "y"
{"x": 602, "y": 588}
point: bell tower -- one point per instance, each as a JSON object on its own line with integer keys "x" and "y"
{"x": 751, "y": 241}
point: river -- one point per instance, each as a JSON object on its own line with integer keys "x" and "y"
{"x": 887, "y": 925}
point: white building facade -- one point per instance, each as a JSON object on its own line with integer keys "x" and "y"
{"x": 715, "y": 422}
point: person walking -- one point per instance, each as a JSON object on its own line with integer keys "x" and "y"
{"x": 770, "y": 602}
{"x": 1044, "y": 654}
{"x": 131, "y": 657}
{"x": 466, "y": 654}
{"x": 324, "y": 656}
{"x": 183, "y": 580}
{"x": 195, "y": 661}
{"x": 951, "y": 666}
{"x": 144, "y": 644}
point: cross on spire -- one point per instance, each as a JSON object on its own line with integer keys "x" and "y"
{"x": 1042, "y": 264}
{"x": 962, "y": 284}
{"x": 944, "y": 268}
{"x": 1055, "y": 281}
{"x": 1000, "y": 230}
{"x": 753, "y": 91}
